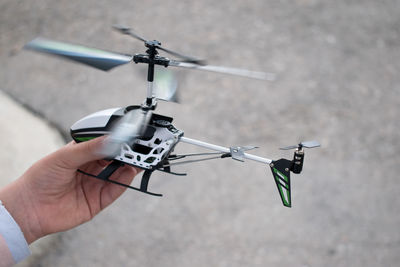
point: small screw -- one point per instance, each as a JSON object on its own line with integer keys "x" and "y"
{"x": 287, "y": 169}
{"x": 271, "y": 165}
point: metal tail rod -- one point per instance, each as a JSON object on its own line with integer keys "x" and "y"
{"x": 237, "y": 152}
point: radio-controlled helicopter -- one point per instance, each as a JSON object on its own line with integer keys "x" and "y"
{"x": 141, "y": 138}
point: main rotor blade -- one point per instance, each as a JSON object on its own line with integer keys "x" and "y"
{"x": 226, "y": 70}
{"x": 128, "y": 31}
{"x": 184, "y": 58}
{"x": 96, "y": 58}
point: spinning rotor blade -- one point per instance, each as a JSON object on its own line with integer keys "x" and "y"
{"x": 165, "y": 86}
{"x": 131, "y": 126}
{"x": 93, "y": 57}
{"x": 226, "y": 70}
{"x": 310, "y": 144}
{"x": 288, "y": 147}
{"x": 306, "y": 144}
{"x": 184, "y": 58}
{"x": 194, "y": 63}
{"x": 128, "y": 31}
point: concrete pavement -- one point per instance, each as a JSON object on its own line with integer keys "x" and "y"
{"x": 24, "y": 138}
{"x": 337, "y": 65}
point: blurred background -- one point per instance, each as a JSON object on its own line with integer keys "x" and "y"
{"x": 337, "y": 67}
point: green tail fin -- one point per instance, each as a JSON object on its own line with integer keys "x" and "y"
{"x": 281, "y": 172}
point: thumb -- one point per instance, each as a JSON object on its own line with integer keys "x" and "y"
{"x": 75, "y": 155}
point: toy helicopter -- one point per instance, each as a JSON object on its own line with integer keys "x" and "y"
{"x": 146, "y": 140}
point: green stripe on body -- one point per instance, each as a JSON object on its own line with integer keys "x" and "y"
{"x": 84, "y": 139}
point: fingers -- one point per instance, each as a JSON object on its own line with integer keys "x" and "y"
{"x": 75, "y": 155}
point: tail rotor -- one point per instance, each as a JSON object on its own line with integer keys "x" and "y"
{"x": 281, "y": 169}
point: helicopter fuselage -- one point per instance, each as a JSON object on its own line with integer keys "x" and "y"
{"x": 147, "y": 151}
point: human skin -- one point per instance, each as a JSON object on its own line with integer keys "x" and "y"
{"x": 51, "y": 196}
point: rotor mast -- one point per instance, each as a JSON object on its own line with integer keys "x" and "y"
{"x": 151, "y": 58}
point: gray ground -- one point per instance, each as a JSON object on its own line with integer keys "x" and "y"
{"x": 337, "y": 65}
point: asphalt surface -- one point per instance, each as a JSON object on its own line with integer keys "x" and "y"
{"x": 336, "y": 65}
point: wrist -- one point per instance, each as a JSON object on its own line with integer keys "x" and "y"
{"x": 18, "y": 202}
